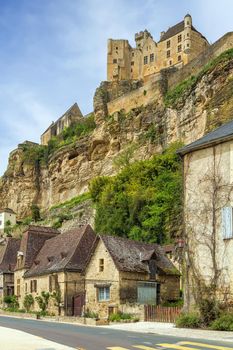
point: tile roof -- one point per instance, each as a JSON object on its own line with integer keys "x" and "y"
{"x": 131, "y": 256}
{"x": 176, "y": 29}
{"x": 8, "y": 254}
{"x": 68, "y": 251}
{"x": 7, "y": 210}
{"x": 219, "y": 135}
{"x": 32, "y": 241}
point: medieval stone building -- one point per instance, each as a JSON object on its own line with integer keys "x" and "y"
{"x": 177, "y": 46}
{"x": 72, "y": 115}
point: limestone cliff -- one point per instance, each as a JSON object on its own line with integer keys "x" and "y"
{"x": 203, "y": 104}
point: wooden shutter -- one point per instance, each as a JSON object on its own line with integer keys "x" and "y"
{"x": 227, "y": 223}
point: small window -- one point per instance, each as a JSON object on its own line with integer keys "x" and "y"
{"x": 179, "y": 48}
{"x": 188, "y": 23}
{"x": 26, "y": 288}
{"x": 227, "y": 228}
{"x": 132, "y": 63}
{"x": 168, "y": 53}
{"x": 152, "y": 57}
{"x": 168, "y": 44}
{"x": 18, "y": 287}
{"x": 179, "y": 38}
{"x": 114, "y": 60}
{"x": 33, "y": 286}
{"x": 101, "y": 265}
{"x": 145, "y": 59}
{"x": 132, "y": 54}
{"x": 116, "y": 47}
{"x": 187, "y": 45}
{"x": 179, "y": 58}
{"x": 170, "y": 63}
{"x": 103, "y": 293}
{"x": 187, "y": 34}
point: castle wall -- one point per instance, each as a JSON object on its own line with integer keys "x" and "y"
{"x": 193, "y": 67}
{"x": 148, "y": 93}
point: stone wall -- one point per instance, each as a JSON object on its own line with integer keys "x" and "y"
{"x": 193, "y": 67}
{"x": 148, "y": 93}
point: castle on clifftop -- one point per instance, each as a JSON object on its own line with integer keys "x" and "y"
{"x": 177, "y": 46}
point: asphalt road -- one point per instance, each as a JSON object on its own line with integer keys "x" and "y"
{"x": 97, "y": 338}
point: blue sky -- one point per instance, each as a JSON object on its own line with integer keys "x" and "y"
{"x": 53, "y": 53}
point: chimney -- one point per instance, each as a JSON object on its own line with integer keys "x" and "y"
{"x": 162, "y": 34}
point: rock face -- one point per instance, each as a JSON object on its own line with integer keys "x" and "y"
{"x": 148, "y": 128}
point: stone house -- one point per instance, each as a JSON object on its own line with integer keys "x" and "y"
{"x": 122, "y": 273}
{"x": 58, "y": 268}
{"x": 208, "y": 216}
{"x": 31, "y": 243}
{"x": 72, "y": 115}
{"x": 177, "y": 46}
{"x": 8, "y": 253}
{"x": 6, "y": 215}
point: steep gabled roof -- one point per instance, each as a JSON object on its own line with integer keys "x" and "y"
{"x": 131, "y": 256}
{"x": 222, "y": 134}
{"x": 32, "y": 241}
{"x": 8, "y": 254}
{"x": 68, "y": 251}
{"x": 176, "y": 29}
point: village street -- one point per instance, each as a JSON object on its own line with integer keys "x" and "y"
{"x": 52, "y": 335}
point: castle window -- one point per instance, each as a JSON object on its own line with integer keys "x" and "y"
{"x": 152, "y": 57}
{"x": 187, "y": 45}
{"x": 33, "y": 286}
{"x": 132, "y": 63}
{"x": 132, "y": 54}
{"x": 179, "y": 48}
{"x": 116, "y": 47}
{"x": 168, "y": 53}
{"x": 179, "y": 58}
{"x": 187, "y": 34}
{"x": 179, "y": 38}
{"x": 170, "y": 63}
{"x": 145, "y": 59}
{"x": 101, "y": 265}
{"x": 188, "y": 23}
{"x": 114, "y": 60}
{"x": 168, "y": 44}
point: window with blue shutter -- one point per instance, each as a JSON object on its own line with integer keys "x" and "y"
{"x": 227, "y": 223}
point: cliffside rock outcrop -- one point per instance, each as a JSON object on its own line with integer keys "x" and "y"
{"x": 149, "y": 128}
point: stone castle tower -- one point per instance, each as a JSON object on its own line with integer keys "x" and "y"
{"x": 176, "y": 47}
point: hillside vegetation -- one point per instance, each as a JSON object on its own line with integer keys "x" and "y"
{"x": 143, "y": 202}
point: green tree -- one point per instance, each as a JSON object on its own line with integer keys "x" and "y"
{"x": 43, "y": 301}
{"x": 8, "y": 228}
{"x": 28, "y": 302}
{"x": 142, "y": 202}
{"x": 35, "y": 213}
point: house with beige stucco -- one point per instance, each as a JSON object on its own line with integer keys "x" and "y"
{"x": 123, "y": 274}
{"x": 208, "y": 216}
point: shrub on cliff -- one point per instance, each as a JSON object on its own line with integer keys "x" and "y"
{"x": 143, "y": 201}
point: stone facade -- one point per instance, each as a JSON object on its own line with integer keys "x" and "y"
{"x": 102, "y": 273}
{"x": 178, "y": 46}
{"x": 73, "y": 114}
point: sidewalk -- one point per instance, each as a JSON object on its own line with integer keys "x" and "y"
{"x": 170, "y": 329}
{"x": 12, "y": 339}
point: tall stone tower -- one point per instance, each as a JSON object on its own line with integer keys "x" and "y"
{"x": 187, "y": 33}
